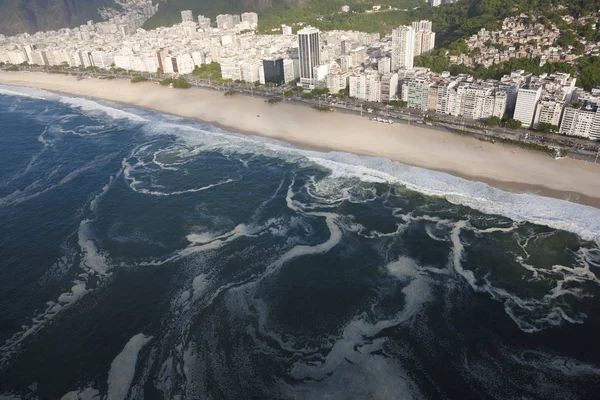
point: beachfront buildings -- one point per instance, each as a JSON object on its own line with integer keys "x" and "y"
{"x": 581, "y": 120}
{"x": 273, "y": 70}
{"x": 403, "y": 48}
{"x": 309, "y": 53}
{"x": 365, "y": 87}
{"x": 527, "y": 101}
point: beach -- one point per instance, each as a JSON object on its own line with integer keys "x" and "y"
{"x": 507, "y": 167}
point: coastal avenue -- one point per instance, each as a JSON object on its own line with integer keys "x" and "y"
{"x": 581, "y": 149}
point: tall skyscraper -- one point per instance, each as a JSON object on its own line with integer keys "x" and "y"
{"x": 186, "y": 16}
{"x": 424, "y": 37}
{"x": 403, "y": 47}
{"x": 527, "y": 101}
{"x": 422, "y": 25}
{"x": 308, "y": 53}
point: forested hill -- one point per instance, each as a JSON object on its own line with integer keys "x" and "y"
{"x": 18, "y": 16}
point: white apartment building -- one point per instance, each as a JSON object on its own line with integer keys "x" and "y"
{"x": 204, "y": 22}
{"x": 365, "y": 87}
{"x": 583, "y": 122}
{"x": 384, "y": 65}
{"x": 251, "y": 19}
{"x": 102, "y": 59}
{"x": 337, "y": 82}
{"x": 230, "y": 69}
{"x": 251, "y": 71}
{"x": 289, "y": 71}
{"x": 185, "y": 64}
{"x": 527, "y": 100}
{"x": 226, "y": 21}
{"x": 416, "y": 93}
{"x": 17, "y": 57}
{"x": 549, "y": 111}
{"x": 186, "y": 16}
{"x": 483, "y": 102}
{"x": 403, "y": 48}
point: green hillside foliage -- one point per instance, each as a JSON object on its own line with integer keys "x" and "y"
{"x": 18, "y": 16}
{"x": 169, "y": 13}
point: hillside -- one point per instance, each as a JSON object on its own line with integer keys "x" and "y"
{"x": 18, "y": 16}
{"x": 169, "y": 12}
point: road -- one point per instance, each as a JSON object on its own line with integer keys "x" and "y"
{"x": 578, "y": 148}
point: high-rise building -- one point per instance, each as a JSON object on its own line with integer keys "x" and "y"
{"x": 308, "y": 53}
{"x": 251, "y": 18}
{"x": 581, "y": 121}
{"x": 389, "y": 87}
{"x": 549, "y": 111}
{"x": 527, "y": 100}
{"x": 384, "y": 65}
{"x": 423, "y": 25}
{"x": 186, "y": 16}
{"x": 435, "y": 3}
{"x": 403, "y": 47}
{"x": 273, "y": 69}
{"x": 424, "y": 37}
{"x": 204, "y": 22}
{"x": 225, "y": 21}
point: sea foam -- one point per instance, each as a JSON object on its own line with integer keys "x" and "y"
{"x": 555, "y": 213}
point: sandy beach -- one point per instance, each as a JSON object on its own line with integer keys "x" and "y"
{"x": 507, "y": 167}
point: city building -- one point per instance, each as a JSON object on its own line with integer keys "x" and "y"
{"x": 389, "y": 87}
{"x": 582, "y": 121}
{"x": 309, "y": 49}
{"x": 384, "y": 65}
{"x": 527, "y": 100}
{"x": 365, "y": 87}
{"x": 186, "y": 16}
{"x": 403, "y": 48}
{"x": 424, "y": 37}
{"x": 274, "y": 71}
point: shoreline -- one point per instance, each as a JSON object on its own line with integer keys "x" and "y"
{"x": 505, "y": 167}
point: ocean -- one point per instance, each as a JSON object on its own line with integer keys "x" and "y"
{"x": 147, "y": 256}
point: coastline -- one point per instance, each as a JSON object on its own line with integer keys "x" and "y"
{"x": 506, "y": 167}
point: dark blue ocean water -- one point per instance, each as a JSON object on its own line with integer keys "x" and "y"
{"x": 147, "y": 256}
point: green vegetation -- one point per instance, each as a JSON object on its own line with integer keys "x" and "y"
{"x": 547, "y": 128}
{"x": 210, "y": 71}
{"x": 230, "y": 93}
{"x": 398, "y": 103}
{"x": 288, "y": 93}
{"x": 327, "y": 15}
{"x": 274, "y": 100}
{"x": 513, "y": 124}
{"x": 493, "y": 121}
{"x": 18, "y": 16}
{"x": 178, "y": 83}
{"x": 138, "y": 79}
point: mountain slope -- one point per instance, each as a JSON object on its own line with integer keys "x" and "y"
{"x": 169, "y": 11}
{"x": 18, "y": 16}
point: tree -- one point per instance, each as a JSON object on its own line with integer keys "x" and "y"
{"x": 493, "y": 121}
{"x": 398, "y": 103}
{"x": 566, "y": 39}
{"x": 578, "y": 48}
{"x": 288, "y": 93}
{"x": 547, "y": 127}
{"x": 513, "y": 123}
